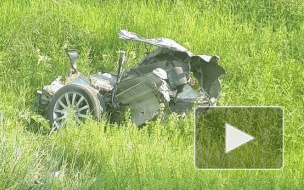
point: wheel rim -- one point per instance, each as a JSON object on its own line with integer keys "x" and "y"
{"x": 70, "y": 104}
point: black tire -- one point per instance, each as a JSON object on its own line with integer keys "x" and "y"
{"x": 82, "y": 100}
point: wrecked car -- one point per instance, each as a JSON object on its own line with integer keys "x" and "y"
{"x": 162, "y": 79}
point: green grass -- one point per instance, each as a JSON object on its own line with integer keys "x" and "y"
{"x": 261, "y": 47}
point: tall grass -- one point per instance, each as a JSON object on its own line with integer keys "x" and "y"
{"x": 261, "y": 47}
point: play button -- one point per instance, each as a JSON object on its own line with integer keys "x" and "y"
{"x": 235, "y": 137}
{"x": 238, "y": 137}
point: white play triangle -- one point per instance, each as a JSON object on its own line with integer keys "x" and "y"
{"x": 235, "y": 137}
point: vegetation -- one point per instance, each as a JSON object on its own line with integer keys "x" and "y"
{"x": 260, "y": 44}
{"x": 263, "y": 123}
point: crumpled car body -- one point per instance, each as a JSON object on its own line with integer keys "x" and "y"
{"x": 161, "y": 81}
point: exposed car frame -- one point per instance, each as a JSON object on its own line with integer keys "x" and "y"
{"x": 162, "y": 79}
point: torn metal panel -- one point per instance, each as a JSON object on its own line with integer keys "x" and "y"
{"x": 205, "y": 68}
{"x": 150, "y": 79}
{"x": 101, "y": 84}
{"x": 160, "y": 42}
{"x": 207, "y": 74}
{"x": 186, "y": 99}
{"x": 141, "y": 95}
{"x": 72, "y": 54}
{"x": 142, "y": 70}
{"x": 163, "y": 54}
{"x": 142, "y": 102}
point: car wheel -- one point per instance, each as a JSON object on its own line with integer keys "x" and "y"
{"x": 74, "y": 101}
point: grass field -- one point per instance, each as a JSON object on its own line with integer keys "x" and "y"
{"x": 263, "y": 123}
{"x": 260, "y": 44}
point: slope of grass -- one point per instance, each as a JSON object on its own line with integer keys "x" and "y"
{"x": 261, "y": 47}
